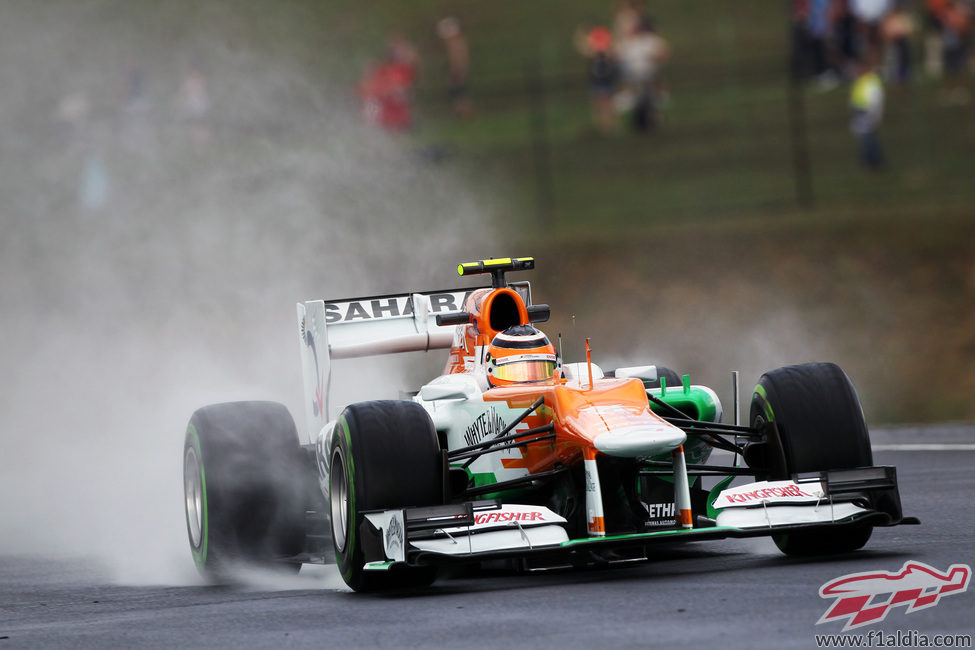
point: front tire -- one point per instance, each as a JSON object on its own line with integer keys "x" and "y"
{"x": 818, "y": 425}
{"x": 383, "y": 455}
{"x": 245, "y": 481}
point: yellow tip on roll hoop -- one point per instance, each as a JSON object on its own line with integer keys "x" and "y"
{"x": 497, "y": 267}
{"x": 498, "y": 263}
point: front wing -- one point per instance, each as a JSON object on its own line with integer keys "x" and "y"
{"x": 487, "y": 530}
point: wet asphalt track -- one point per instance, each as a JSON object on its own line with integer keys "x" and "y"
{"x": 735, "y": 593}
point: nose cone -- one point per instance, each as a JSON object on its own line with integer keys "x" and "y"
{"x": 649, "y": 439}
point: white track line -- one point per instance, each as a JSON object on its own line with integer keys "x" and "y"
{"x": 926, "y": 446}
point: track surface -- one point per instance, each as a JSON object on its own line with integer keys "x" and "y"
{"x": 736, "y": 593}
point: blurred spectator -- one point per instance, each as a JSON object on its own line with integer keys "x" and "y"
{"x": 799, "y": 15}
{"x": 73, "y": 108}
{"x": 385, "y": 96}
{"x": 596, "y": 44}
{"x": 956, "y": 23}
{"x": 193, "y": 104}
{"x": 812, "y": 34}
{"x": 819, "y": 35}
{"x": 867, "y": 110}
{"x": 135, "y": 124}
{"x": 135, "y": 98}
{"x": 458, "y": 65}
{"x": 401, "y": 51}
{"x": 387, "y": 86}
{"x": 869, "y": 14}
{"x": 641, "y": 53}
{"x": 844, "y": 31}
{"x": 627, "y": 17}
{"x": 933, "y": 45}
{"x": 73, "y": 111}
{"x": 897, "y": 30}
{"x": 94, "y": 185}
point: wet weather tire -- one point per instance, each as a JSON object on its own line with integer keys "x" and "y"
{"x": 819, "y": 426}
{"x": 383, "y": 455}
{"x": 672, "y": 378}
{"x": 245, "y": 481}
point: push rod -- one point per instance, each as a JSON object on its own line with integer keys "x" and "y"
{"x": 729, "y": 428}
{"x": 504, "y": 485}
{"x": 476, "y": 453}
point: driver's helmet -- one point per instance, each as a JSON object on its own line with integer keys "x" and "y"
{"x": 518, "y": 355}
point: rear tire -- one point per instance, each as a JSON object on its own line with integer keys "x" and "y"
{"x": 383, "y": 455}
{"x": 245, "y": 478}
{"x": 820, "y": 426}
{"x": 673, "y": 379}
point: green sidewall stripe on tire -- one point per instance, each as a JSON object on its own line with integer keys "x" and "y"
{"x": 350, "y": 479}
{"x": 200, "y": 556}
{"x": 766, "y": 407}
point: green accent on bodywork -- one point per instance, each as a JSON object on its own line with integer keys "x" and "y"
{"x": 713, "y": 494}
{"x": 377, "y": 566}
{"x": 766, "y": 407}
{"x": 482, "y": 478}
{"x": 686, "y": 380}
{"x": 200, "y": 557}
{"x": 661, "y": 533}
{"x": 696, "y": 402}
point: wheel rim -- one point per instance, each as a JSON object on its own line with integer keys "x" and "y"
{"x": 338, "y": 492}
{"x": 193, "y": 490}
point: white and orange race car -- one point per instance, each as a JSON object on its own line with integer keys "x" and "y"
{"x": 511, "y": 453}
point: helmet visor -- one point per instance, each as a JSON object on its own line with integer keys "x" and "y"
{"x": 526, "y": 370}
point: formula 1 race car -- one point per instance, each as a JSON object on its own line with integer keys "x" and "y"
{"x": 512, "y": 454}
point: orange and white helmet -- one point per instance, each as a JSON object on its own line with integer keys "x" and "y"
{"x": 518, "y": 355}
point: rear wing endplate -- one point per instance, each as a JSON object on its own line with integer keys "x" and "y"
{"x": 372, "y": 325}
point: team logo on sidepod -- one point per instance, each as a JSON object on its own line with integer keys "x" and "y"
{"x": 865, "y": 598}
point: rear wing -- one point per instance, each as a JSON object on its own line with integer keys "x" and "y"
{"x": 372, "y": 325}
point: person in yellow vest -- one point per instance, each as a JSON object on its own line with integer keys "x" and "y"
{"x": 867, "y": 111}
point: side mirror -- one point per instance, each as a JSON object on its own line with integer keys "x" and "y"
{"x": 433, "y": 392}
